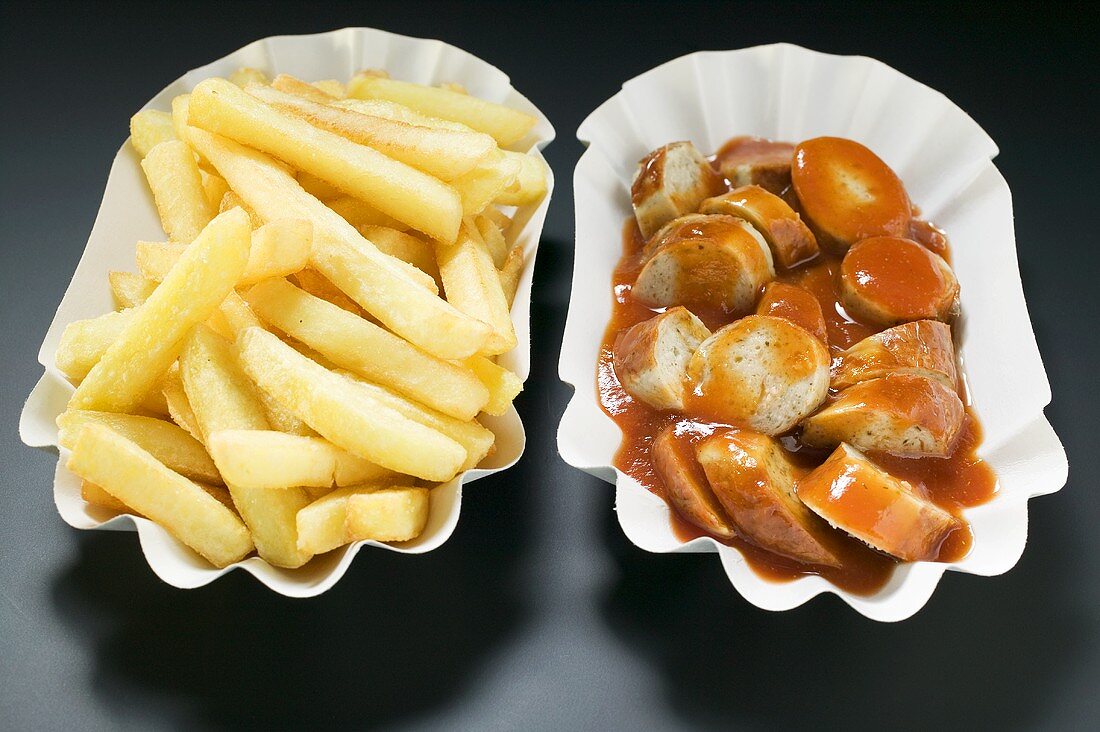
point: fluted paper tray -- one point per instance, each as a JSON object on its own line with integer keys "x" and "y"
{"x": 945, "y": 159}
{"x": 127, "y": 214}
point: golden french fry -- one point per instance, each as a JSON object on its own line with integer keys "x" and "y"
{"x": 493, "y": 238}
{"x": 530, "y": 183}
{"x": 129, "y": 289}
{"x": 315, "y": 284}
{"x": 332, "y": 87}
{"x": 165, "y": 441}
{"x": 278, "y": 249}
{"x": 140, "y": 481}
{"x": 399, "y": 113}
{"x": 149, "y": 128}
{"x": 506, "y": 125}
{"x": 503, "y": 385}
{"x": 486, "y": 182}
{"x": 395, "y": 513}
{"x": 179, "y": 409}
{"x": 266, "y": 459}
{"x": 215, "y": 188}
{"x": 179, "y": 116}
{"x": 319, "y": 188}
{"x": 223, "y": 398}
{"x": 474, "y": 438}
{"x": 292, "y": 85}
{"x": 93, "y": 494}
{"x": 322, "y": 524}
{"x": 246, "y": 75}
{"x": 510, "y": 274}
{"x": 498, "y": 217}
{"x": 446, "y": 154}
{"x": 231, "y": 200}
{"x": 394, "y": 188}
{"x": 368, "y": 350}
{"x": 83, "y": 342}
{"x": 380, "y": 283}
{"x": 345, "y": 414}
{"x": 153, "y": 405}
{"x": 359, "y": 213}
{"x": 177, "y": 188}
{"x": 415, "y": 251}
{"x": 472, "y": 284}
{"x": 153, "y": 337}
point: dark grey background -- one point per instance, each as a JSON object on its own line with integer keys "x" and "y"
{"x": 538, "y": 614}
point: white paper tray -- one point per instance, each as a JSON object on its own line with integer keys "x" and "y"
{"x": 127, "y": 214}
{"x": 945, "y": 159}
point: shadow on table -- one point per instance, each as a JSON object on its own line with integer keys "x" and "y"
{"x": 991, "y": 651}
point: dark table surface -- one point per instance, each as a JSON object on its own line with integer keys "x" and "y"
{"x": 538, "y": 614}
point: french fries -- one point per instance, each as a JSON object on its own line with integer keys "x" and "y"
{"x": 152, "y": 339}
{"x": 137, "y": 479}
{"x": 344, "y": 414}
{"x": 368, "y": 350}
{"x": 313, "y": 338}
{"x": 506, "y": 125}
{"x": 473, "y": 286}
{"x": 177, "y": 188}
{"x": 394, "y": 188}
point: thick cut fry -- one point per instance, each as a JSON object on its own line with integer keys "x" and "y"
{"x": 265, "y": 459}
{"x": 359, "y": 213}
{"x": 177, "y": 188}
{"x": 368, "y": 350}
{"x": 394, "y": 188}
{"x": 315, "y": 284}
{"x": 152, "y": 339}
{"x": 83, "y": 342}
{"x": 503, "y": 385}
{"x": 474, "y": 438}
{"x": 486, "y": 182}
{"x": 278, "y": 249}
{"x": 319, "y": 188}
{"x": 322, "y": 524}
{"x": 345, "y": 414}
{"x": 399, "y": 113}
{"x": 165, "y": 441}
{"x": 493, "y": 238}
{"x": 179, "y": 116}
{"x": 510, "y": 274}
{"x": 231, "y": 200}
{"x": 530, "y": 183}
{"x": 472, "y": 284}
{"x": 380, "y": 283}
{"x": 506, "y": 125}
{"x": 149, "y": 128}
{"x": 223, "y": 398}
{"x": 291, "y": 85}
{"x": 332, "y": 87}
{"x": 407, "y": 247}
{"x": 498, "y": 217}
{"x": 246, "y": 75}
{"x": 215, "y": 188}
{"x": 446, "y": 154}
{"x": 387, "y": 514}
{"x": 179, "y": 409}
{"x": 93, "y": 494}
{"x": 140, "y": 481}
{"x": 129, "y": 289}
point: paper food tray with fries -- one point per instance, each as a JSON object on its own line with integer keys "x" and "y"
{"x": 302, "y": 314}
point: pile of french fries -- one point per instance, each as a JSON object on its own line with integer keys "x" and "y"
{"x": 307, "y": 354}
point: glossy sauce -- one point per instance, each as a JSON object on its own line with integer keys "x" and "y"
{"x": 876, "y": 267}
{"x": 953, "y": 483}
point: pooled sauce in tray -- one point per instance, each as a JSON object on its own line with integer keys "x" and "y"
{"x": 953, "y": 483}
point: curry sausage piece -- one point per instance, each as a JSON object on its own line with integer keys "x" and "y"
{"x": 754, "y": 480}
{"x": 858, "y": 497}
{"x": 791, "y": 241}
{"x": 671, "y": 181}
{"x": 686, "y": 486}
{"x": 890, "y": 280}
{"x": 901, "y": 414}
{"x": 651, "y": 357}
{"x": 717, "y": 262}
{"x": 848, "y": 193}
{"x": 797, "y": 305}
{"x": 922, "y": 347}
{"x": 761, "y": 372}
{"x": 756, "y": 161}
